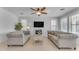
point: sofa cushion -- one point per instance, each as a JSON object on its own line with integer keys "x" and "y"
{"x": 52, "y": 33}
{"x": 26, "y": 32}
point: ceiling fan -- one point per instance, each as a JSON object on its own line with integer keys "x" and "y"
{"x": 39, "y": 11}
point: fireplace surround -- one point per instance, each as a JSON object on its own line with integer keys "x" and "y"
{"x": 39, "y": 31}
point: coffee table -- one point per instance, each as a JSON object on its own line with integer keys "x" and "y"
{"x": 37, "y": 38}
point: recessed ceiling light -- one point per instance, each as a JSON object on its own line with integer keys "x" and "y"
{"x": 62, "y": 9}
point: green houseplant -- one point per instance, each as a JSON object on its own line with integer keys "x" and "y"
{"x": 18, "y": 26}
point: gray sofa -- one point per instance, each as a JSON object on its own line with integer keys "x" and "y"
{"x": 17, "y": 38}
{"x": 63, "y": 40}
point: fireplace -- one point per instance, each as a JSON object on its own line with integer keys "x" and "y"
{"x": 38, "y": 31}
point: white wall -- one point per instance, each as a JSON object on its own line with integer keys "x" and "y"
{"x": 7, "y": 22}
{"x": 44, "y": 29}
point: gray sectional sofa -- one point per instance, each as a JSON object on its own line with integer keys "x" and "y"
{"x": 17, "y": 38}
{"x": 63, "y": 40}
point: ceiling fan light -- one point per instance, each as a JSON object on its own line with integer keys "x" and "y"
{"x": 38, "y": 13}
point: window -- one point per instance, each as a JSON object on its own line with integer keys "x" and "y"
{"x": 70, "y": 24}
{"x": 53, "y": 25}
{"x": 74, "y": 23}
{"x": 77, "y": 24}
{"x": 24, "y": 24}
{"x": 63, "y": 23}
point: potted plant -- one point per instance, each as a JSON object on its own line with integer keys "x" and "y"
{"x": 18, "y": 26}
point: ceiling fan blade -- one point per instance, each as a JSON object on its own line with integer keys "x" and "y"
{"x": 38, "y": 9}
{"x": 33, "y": 9}
{"x": 43, "y": 12}
{"x": 42, "y": 9}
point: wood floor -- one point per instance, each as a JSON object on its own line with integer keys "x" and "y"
{"x": 31, "y": 45}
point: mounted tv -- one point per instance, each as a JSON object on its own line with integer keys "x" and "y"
{"x": 38, "y": 24}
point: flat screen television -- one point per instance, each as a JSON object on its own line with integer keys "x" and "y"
{"x": 38, "y": 24}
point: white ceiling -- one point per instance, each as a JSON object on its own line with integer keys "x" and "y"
{"x": 52, "y": 11}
